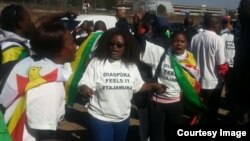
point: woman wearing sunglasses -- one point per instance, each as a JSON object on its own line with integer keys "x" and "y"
{"x": 109, "y": 81}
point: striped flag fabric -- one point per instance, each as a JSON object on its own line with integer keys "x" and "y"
{"x": 27, "y": 74}
{"x": 185, "y": 71}
{"x": 79, "y": 66}
{"x": 4, "y": 134}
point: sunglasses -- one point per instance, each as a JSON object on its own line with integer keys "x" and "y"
{"x": 117, "y": 45}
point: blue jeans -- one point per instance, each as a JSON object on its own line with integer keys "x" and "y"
{"x": 107, "y": 131}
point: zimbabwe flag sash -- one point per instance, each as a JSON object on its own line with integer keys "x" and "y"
{"x": 27, "y": 74}
{"x": 184, "y": 71}
{"x": 79, "y": 66}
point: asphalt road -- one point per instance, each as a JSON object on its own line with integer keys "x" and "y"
{"x": 74, "y": 128}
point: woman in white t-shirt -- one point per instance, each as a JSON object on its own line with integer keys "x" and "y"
{"x": 166, "y": 108}
{"x": 34, "y": 93}
{"x": 110, "y": 80}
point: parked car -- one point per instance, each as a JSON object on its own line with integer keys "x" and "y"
{"x": 73, "y": 23}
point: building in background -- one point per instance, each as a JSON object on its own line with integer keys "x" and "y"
{"x": 151, "y": 5}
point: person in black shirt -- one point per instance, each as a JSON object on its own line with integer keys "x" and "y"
{"x": 239, "y": 91}
{"x": 189, "y": 28}
{"x": 122, "y": 22}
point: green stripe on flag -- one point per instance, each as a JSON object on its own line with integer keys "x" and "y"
{"x": 23, "y": 54}
{"x": 191, "y": 98}
{"x": 79, "y": 66}
{"x": 4, "y": 134}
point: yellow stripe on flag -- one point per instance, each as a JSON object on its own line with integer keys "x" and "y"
{"x": 11, "y": 54}
{"x": 79, "y": 52}
{"x": 75, "y": 63}
{"x": 20, "y": 108}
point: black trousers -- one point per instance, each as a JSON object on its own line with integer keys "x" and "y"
{"x": 162, "y": 118}
{"x": 212, "y": 97}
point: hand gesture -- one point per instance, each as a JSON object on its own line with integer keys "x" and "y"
{"x": 86, "y": 91}
{"x": 160, "y": 88}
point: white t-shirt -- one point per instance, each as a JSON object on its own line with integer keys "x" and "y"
{"x": 208, "y": 49}
{"x": 230, "y": 47}
{"x": 44, "y": 103}
{"x": 152, "y": 56}
{"x": 45, "y": 107}
{"x": 113, "y": 84}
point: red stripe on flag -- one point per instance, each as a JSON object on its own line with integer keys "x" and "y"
{"x": 17, "y": 134}
{"x": 21, "y": 84}
{"x": 52, "y": 76}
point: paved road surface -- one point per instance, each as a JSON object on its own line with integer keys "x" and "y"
{"x": 74, "y": 128}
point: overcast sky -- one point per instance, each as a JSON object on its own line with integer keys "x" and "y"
{"x": 232, "y": 4}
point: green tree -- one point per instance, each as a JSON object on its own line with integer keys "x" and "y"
{"x": 110, "y": 4}
{"x": 76, "y": 2}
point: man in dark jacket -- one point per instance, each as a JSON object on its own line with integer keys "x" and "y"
{"x": 122, "y": 22}
{"x": 189, "y": 28}
{"x": 239, "y": 91}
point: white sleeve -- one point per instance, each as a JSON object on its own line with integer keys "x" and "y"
{"x": 89, "y": 76}
{"x": 152, "y": 54}
{"x": 138, "y": 82}
{"x": 220, "y": 57}
{"x": 65, "y": 72}
{"x": 45, "y": 106}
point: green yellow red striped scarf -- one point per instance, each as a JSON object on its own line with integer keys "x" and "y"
{"x": 27, "y": 74}
{"x": 79, "y": 66}
{"x": 190, "y": 86}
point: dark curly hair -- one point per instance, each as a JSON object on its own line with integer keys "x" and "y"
{"x": 131, "y": 52}
{"x": 48, "y": 40}
{"x": 11, "y": 15}
{"x": 179, "y": 32}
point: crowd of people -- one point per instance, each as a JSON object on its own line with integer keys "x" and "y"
{"x": 164, "y": 74}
